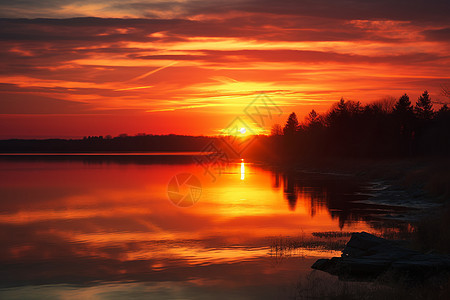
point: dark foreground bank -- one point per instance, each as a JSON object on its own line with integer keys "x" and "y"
{"x": 367, "y": 257}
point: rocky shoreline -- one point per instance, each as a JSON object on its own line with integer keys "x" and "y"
{"x": 367, "y": 257}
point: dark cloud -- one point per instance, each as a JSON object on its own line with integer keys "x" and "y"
{"x": 29, "y": 103}
{"x": 303, "y": 56}
{"x": 29, "y": 45}
{"x": 418, "y": 11}
{"x": 405, "y": 10}
{"x": 438, "y": 35}
{"x": 85, "y": 31}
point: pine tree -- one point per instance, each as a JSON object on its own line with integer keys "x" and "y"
{"x": 424, "y": 107}
{"x": 292, "y": 125}
{"x": 313, "y": 119}
{"x": 443, "y": 112}
{"x": 403, "y": 106}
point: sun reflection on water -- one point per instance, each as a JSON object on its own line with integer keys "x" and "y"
{"x": 118, "y": 214}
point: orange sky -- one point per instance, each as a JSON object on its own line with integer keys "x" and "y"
{"x": 191, "y": 67}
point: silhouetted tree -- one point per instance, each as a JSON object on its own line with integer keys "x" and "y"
{"x": 385, "y": 105}
{"x": 348, "y": 107}
{"x": 276, "y": 130}
{"x": 424, "y": 107}
{"x": 443, "y": 114}
{"x": 403, "y": 106}
{"x": 292, "y": 125}
{"x": 313, "y": 119}
{"x": 342, "y": 112}
{"x": 444, "y": 109}
{"x": 386, "y": 128}
{"x": 404, "y": 116}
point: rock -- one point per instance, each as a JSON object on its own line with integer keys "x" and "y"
{"x": 363, "y": 241}
{"x": 367, "y": 257}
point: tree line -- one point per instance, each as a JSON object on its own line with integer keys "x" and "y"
{"x": 121, "y": 143}
{"x": 387, "y": 128}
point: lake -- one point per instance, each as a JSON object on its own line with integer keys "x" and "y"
{"x": 165, "y": 227}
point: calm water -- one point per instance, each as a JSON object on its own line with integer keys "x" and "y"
{"x": 104, "y": 228}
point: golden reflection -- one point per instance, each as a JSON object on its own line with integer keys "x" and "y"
{"x": 103, "y": 209}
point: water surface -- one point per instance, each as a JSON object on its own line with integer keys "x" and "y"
{"x": 104, "y": 227}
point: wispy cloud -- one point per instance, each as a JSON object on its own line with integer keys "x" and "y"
{"x": 134, "y": 88}
{"x": 153, "y": 71}
{"x": 206, "y": 61}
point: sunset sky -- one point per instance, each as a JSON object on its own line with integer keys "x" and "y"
{"x": 77, "y": 68}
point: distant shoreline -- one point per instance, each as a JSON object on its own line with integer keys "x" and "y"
{"x": 168, "y": 153}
